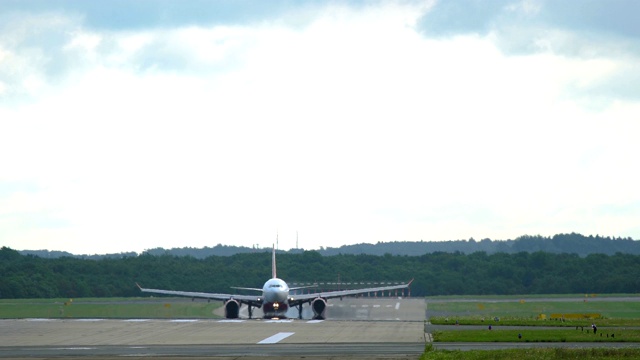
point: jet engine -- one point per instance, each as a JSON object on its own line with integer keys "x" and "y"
{"x": 231, "y": 309}
{"x": 318, "y": 305}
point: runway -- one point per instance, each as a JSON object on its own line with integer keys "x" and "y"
{"x": 350, "y": 331}
{"x": 288, "y": 351}
{"x": 385, "y": 309}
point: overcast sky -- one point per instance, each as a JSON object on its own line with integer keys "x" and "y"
{"x": 129, "y": 125}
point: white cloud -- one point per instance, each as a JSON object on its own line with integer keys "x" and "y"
{"x": 351, "y": 128}
{"x": 526, "y": 7}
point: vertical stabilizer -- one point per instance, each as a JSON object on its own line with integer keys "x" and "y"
{"x": 273, "y": 263}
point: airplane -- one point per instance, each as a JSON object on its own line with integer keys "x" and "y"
{"x": 276, "y": 297}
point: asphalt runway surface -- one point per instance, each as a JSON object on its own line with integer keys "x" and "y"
{"x": 364, "y": 308}
{"x": 372, "y": 328}
{"x": 357, "y": 328}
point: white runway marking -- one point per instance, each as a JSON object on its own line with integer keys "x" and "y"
{"x": 376, "y": 306}
{"x": 279, "y": 321}
{"x": 136, "y": 320}
{"x": 88, "y": 320}
{"x": 397, "y": 305}
{"x": 231, "y": 321}
{"x": 314, "y": 321}
{"x": 149, "y": 355}
{"x": 276, "y": 338}
{"x": 184, "y": 320}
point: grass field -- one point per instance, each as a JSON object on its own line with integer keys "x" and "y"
{"x": 513, "y": 311}
{"x": 533, "y": 296}
{"x": 619, "y": 315}
{"x": 539, "y": 335}
{"x": 533, "y": 354}
{"x": 139, "y": 308}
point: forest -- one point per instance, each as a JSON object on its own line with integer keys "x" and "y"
{"x": 438, "y": 273}
{"x": 561, "y": 243}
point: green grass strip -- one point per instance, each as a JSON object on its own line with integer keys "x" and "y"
{"x": 539, "y": 335}
{"x": 517, "y": 321}
{"x": 533, "y": 309}
{"x": 532, "y": 354}
{"x": 107, "y": 309}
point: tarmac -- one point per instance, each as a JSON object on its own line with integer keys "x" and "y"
{"x": 372, "y": 328}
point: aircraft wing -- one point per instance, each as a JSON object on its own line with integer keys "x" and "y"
{"x": 303, "y": 287}
{"x": 244, "y": 288}
{"x": 224, "y": 297}
{"x": 302, "y": 298}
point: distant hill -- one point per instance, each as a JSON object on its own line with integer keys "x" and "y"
{"x": 46, "y": 254}
{"x": 562, "y": 243}
{"x": 53, "y": 254}
{"x": 218, "y": 250}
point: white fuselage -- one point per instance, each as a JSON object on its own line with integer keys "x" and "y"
{"x": 275, "y": 298}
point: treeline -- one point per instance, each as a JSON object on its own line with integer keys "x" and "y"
{"x": 435, "y": 274}
{"x": 562, "y": 243}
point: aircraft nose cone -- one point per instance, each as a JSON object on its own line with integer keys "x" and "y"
{"x": 276, "y": 297}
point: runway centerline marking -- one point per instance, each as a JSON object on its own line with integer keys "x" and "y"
{"x": 314, "y": 321}
{"x": 397, "y": 305}
{"x": 276, "y": 338}
{"x": 279, "y": 321}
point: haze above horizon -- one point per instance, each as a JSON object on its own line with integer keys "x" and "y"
{"x": 127, "y": 126}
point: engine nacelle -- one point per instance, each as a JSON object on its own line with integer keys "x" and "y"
{"x": 231, "y": 309}
{"x": 319, "y": 306}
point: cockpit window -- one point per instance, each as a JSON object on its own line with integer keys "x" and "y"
{"x": 275, "y": 285}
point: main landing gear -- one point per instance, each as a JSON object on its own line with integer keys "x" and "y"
{"x": 299, "y": 311}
